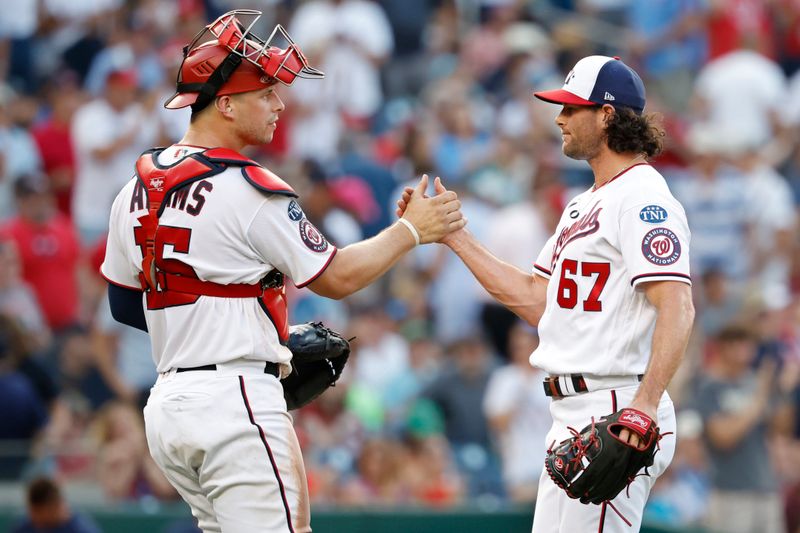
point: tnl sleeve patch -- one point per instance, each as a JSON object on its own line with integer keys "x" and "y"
{"x": 653, "y": 214}
{"x": 661, "y": 246}
{"x": 312, "y": 237}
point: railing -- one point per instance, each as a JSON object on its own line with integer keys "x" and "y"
{"x": 135, "y": 519}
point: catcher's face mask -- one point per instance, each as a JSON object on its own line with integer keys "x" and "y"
{"x": 225, "y": 57}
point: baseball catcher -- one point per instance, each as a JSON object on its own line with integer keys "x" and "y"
{"x": 594, "y": 465}
{"x": 318, "y": 358}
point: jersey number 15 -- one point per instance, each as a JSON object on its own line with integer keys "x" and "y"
{"x": 179, "y": 239}
{"x": 568, "y": 288}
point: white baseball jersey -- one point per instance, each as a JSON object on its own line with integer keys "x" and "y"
{"x": 609, "y": 240}
{"x": 227, "y": 232}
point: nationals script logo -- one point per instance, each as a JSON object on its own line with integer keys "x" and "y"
{"x": 586, "y": 225}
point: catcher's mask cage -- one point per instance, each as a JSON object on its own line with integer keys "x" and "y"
{"x": 231, "y": 35}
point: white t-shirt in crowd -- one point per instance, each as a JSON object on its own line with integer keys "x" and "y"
{"x": 97, "y": 125}
{"x": 742, "y": 89}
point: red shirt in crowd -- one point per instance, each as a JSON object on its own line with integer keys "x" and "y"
{"x": 55, "y": 146}
{"x": 736, "y": 23}
{"x": 49, "y": 254}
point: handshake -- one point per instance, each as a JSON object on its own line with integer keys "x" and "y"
{"x": 430, "y": 219}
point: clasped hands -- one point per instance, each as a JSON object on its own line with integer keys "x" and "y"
{"x": 433, "y": 217}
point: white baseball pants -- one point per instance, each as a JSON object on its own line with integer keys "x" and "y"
{"x": 558, "y": 513}
{"x": 225, "y": 441}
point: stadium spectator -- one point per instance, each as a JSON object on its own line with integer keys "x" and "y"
{"x": 322, "y": 209}
{"x": 519, "y": 415}
{"x": 380, "y": 478}
{"x": 49, "y": 512}
{"x": 717, "y": 306}
{"x": 680, "y": 497}
{"x": 22, "y": 410}
{"x": 772, "y": 229}
{"x": 431, "y": 473}
{"x": 18, "y": 35}
{"x": 531, "y": 217}
{"x": 17, "y": 299}
{"x": 380, "y": 357}
{"x": 352, "y": 38}
{"x": 349, "y": 39}
{"x": 123, "y": 357}
{"x": 108, "y": 133}
{"x": 49, "y": 251}
{"x": 464, "y": 145}
{"x": 18, "y": 152}
{"x": 717, "y": 206}
{"x": 125, "y": 469}
{"x": 134, "y": 50}
{"x": 331, "y": 436}
{"x": 54, "y": 138}
{"x": 78, "y": 371}
{"x": 405, "y": 71}
{"x": 742, "y": 93}
{"x": 459, "y": 393}
{"x": 485, "y": 51}
{"x": 741, "y": 409}
{"x": 669, "y": 43}
{"x": 424, "y": 365}
{"x": 455, "y": 298}
{"x": 735, "y": 24}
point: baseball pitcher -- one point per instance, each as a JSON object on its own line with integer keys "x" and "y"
{"x": 611, "y": 295}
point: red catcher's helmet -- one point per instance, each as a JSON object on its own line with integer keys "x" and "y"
{"x": 225, "y": 58}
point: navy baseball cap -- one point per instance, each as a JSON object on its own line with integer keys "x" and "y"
{"x": 598, "y": 80}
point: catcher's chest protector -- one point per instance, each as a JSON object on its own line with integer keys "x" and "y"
{"x": 160, "y": 277}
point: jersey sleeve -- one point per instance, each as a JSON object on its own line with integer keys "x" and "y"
{"x": 545, "y": 257}
{"x": 283, "y": 236}
{"x": 118, "y": 265}
{"x": 654, "y": 240}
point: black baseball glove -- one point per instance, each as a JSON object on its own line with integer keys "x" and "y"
{"x": 318, "y": 358}
{"x": 595, "y": 465}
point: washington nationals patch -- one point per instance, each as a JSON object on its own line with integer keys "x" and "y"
{"x": 311, "y": 236}
{"x": 661, "y": 246}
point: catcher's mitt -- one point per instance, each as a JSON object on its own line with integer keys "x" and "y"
{"x": 595, "y": 465}
{"x": 318, "y": 358}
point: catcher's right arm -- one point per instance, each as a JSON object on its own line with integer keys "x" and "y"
{"x": 318, "y": 358}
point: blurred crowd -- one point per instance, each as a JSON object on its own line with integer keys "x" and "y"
{"x": 438, "y": 405}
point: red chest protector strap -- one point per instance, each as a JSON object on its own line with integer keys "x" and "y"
{"x": 159, "y": 182}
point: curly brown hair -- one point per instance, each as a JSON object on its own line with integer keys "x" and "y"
{"x": 627, "y": 132}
